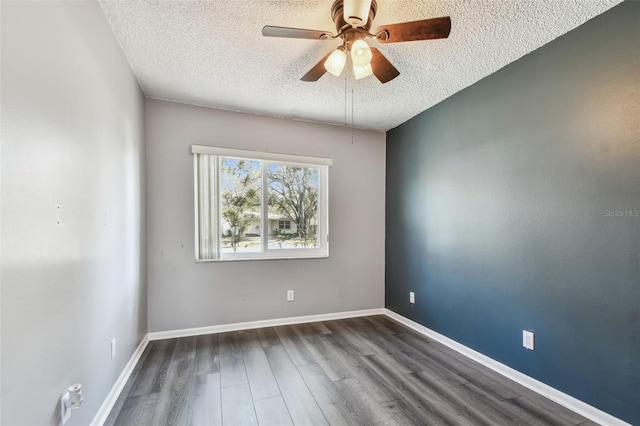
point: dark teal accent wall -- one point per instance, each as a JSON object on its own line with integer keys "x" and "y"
{"x": 515, "y": 204}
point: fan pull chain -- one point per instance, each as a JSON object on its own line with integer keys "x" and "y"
{"x": 345, "y": 102}
{"x": 352, "y": 116}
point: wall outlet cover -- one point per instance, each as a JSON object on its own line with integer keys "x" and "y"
{"x": 412, "y": 297}
{"x": 113, "y": 348}
{"x": 527, "y": 339}
{"x": 65, "y": 412}
{"x": 290, "y": 296}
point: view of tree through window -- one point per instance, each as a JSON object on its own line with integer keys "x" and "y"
{"x": 292, "y": 206}
{"x": 293, "y": 198}
{"x": 240, "y": 199}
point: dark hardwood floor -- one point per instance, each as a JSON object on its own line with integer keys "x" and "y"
{"x": 359, "y": 371}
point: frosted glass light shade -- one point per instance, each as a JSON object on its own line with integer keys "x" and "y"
{"x": 360, "y": 53}
{"x": 356, "y": 12}
{"x": 335, "y": 62}
{"x": 362, "y": 72}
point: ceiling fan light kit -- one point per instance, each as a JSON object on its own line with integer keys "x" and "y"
{"x": 360, "y": 53}
{"x": 353, "y": 20}
{"x": 336, "y": 61}
{"x": 362, "y": 72}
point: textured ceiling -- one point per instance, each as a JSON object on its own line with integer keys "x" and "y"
{"x": 212, "y": 53}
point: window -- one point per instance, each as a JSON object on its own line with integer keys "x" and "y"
{"x": 253, "y": 205}
{"x": 284, "y": 225}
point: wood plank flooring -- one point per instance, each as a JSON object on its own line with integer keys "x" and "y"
{"x": 358, "y": 371}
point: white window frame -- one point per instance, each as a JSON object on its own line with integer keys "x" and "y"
{"x": 265, "y": 158}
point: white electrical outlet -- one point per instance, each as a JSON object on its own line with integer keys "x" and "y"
{"x": 290, "y": 295}
{"x": 527, "y": 339}
{"x": 412, "y": 297}
{"x": 113, "y": 348}
{"x": 65, "y": 412}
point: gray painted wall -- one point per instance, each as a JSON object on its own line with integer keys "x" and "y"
{"x": 497, "y": 204}
{"x": 72, "y": 135}
{"x": 185, "y": 294}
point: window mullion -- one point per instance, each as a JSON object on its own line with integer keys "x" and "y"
{"x": 264, "y": 206}
{"x": 323, "y": 210}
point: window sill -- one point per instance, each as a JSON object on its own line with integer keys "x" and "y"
{"x": 260, "y": 259}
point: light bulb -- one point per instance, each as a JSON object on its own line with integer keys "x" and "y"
{"x": 360, "y": 53}
{"x": 335, "y": 62}
{"x": 362, "y": 72}
{"x": 356, "y": 12}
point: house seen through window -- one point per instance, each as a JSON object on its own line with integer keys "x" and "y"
{"x": 263, "y": 206}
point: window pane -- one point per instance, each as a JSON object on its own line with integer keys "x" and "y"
{"x": 293, "y": 207}
{"x": 240, "y": 218}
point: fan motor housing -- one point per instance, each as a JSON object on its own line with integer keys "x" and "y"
{"x": 337, "y": 15}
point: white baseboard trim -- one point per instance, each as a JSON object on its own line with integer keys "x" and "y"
{"x": 547, "y": 391}
{"x": 113, "y": 395}
{"x": 159, "y": 335}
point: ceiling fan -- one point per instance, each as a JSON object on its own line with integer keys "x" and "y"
{"x": 353, "y": 20}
